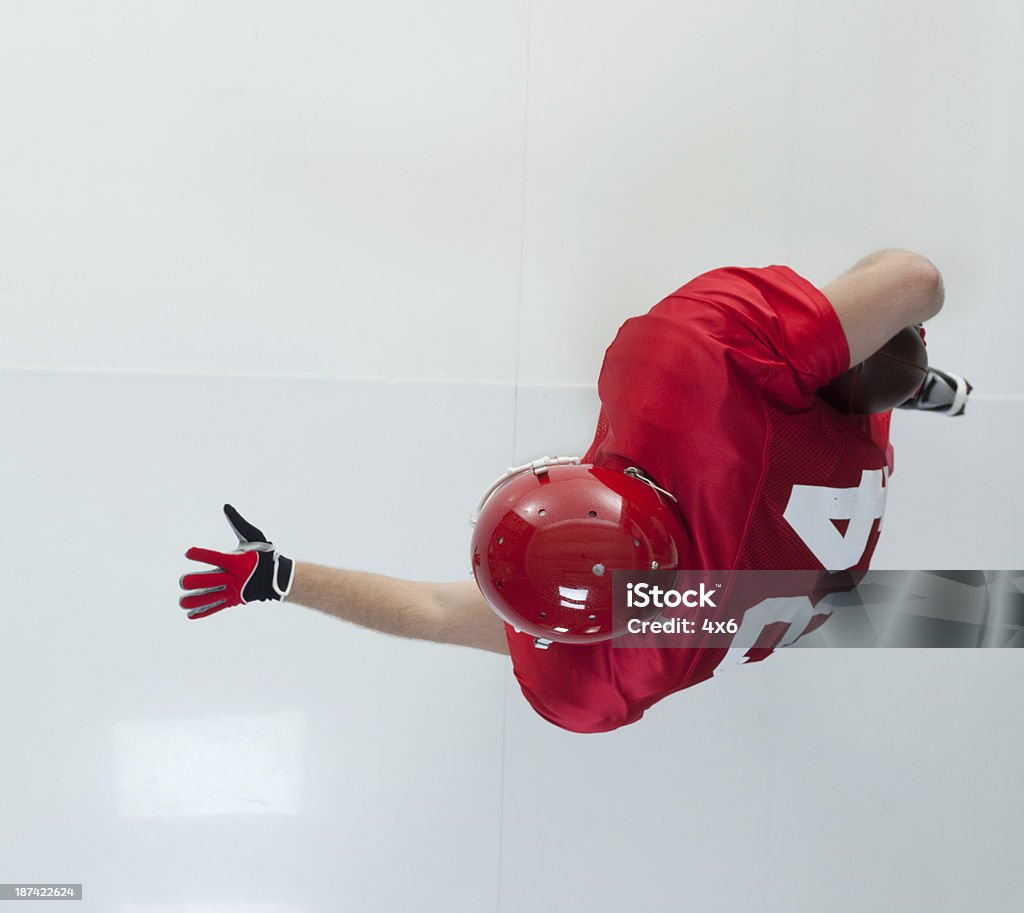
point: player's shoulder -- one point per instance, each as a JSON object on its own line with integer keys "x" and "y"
{"x": 723, "y": 309}
{"x": 737, "y": 298}
{"x": 772, "y": 313}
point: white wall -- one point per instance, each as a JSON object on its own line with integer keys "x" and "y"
{"x": 301, "y": 257}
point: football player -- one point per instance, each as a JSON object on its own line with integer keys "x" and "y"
{"x": 713, "y": 450}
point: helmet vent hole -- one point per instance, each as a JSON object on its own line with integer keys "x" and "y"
{"x": 500, "y": 584}
{"x": 592, "y": 513}
{"x": 598, "y": 570}
{"x": 636, "y": 542}
{"x": 591, "y": 618}
{"x": 543, "y": 614}
{"x": 502, "y": 539}
{"x": 542, "y": 512}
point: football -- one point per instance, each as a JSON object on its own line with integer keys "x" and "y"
{"x": 883, "y": 381}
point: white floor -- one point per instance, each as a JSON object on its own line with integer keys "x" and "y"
{"x": 270, "y": 758}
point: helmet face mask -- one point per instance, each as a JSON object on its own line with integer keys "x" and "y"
{"x": 548, "y": 535}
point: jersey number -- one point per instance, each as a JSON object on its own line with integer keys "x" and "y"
{"x": 810, "y": 512}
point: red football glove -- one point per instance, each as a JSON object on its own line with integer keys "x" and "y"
{"x": 252, "y": 572}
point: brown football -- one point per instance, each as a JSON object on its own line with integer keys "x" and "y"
{"x": 882, "y": 381}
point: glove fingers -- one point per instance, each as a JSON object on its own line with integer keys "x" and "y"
{"x": 245, "y": 531}
{"x": 208, "y": 556}
{"x": 238, "y": 564}
{"x": 195, "y": 587}
{"x": 237, "y": 571}
{"x": 205, "y": 600}
{"x": 210, "y": 589}
{"x": 204, "y": 574}
{"x": 208, "y": 610}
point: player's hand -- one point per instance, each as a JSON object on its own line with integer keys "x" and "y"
{"x": 252, "y": 572}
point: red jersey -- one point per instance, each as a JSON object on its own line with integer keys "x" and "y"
{"x": 712, "y": 394}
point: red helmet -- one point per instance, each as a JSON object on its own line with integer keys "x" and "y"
{"x": 548, "y": 535}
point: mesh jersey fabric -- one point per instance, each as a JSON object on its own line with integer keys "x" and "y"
{"x": 712, "y": 394}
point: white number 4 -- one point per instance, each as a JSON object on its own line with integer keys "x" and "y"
{"x": 812, "y": 508}
{"x": 810, "y": 512}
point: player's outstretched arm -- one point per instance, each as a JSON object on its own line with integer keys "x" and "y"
{"x": 256, "y": 571}
{"x": 451, "y": 613}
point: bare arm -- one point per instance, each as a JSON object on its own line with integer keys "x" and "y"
{"x": 881, "y": 295}
{"x": 454, "y": 613}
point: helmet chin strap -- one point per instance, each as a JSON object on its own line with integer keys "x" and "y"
{"x": 637, "y": 474}
{"x": 538, "y": 467}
